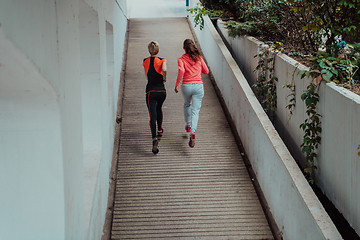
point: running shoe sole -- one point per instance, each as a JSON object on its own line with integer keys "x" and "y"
{"x": 192, "y": 140}
{"x": 155, "y": 148}
{"x": 160, "y": 134}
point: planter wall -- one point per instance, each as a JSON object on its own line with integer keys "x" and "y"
{"x": 338, "y": 173}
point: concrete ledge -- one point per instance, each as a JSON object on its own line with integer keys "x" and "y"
{"x": 296, "y": 209}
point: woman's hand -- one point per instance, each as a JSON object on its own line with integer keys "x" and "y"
{"x": 176, "y": 89}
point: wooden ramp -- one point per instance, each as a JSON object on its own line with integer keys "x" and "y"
{"x": 203, "y": 192}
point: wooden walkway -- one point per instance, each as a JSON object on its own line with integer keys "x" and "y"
{"x": 203, "y": 192}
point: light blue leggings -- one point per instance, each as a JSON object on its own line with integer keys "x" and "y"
{"x": 193, "y": 94}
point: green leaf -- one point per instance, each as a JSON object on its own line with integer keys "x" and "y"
{"x": 315, "y": 119}
{"x": 306, "y": 150}
{"x": 327, "y": 76}
{"x": 303, "y": 96}
{"x": 303, "y": 73}
{"x": 311, "y": 88}
{"x": 310, "y": 111}
{"x": 334, "y": 71}
{"x": 311, "y": 100}
{"x": 306, "y": 28}
{"x": 324, "y": 71}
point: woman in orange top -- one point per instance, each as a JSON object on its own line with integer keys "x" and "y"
{"x": 190, "y": 67}
{"x": 155, "y": 72}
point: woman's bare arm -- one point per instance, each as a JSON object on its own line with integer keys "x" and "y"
{"x": 164, "y": 71}
{"x": 145, "y": 73}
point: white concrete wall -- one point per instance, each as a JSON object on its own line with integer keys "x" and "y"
{"x": 31, "y": 168}
{"x": 295, "y": 208}
{"x": 338, "y": 173}
{"x": 60, "y": 64}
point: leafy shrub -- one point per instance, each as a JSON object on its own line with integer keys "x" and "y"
{"x": 199, "y": 12}
{"x": 301, "y": 23}
{"x": 231, "y": 8}
{"x": 242, "y": 28}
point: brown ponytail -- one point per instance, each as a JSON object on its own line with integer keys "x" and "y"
{"x": 191, "y": 49}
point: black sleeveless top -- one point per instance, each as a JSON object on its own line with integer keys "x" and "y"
{"x": 153, "y": 67}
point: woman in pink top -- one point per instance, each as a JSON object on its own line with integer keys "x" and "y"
{"x": 190, "y": 67}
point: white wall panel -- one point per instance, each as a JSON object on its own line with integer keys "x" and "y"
{"x": 67, "y": 116}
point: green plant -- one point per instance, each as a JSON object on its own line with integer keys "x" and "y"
{"x": 354, "y": 57}
{"x": 260, "y": 18}
{"x": 241, "y": 28}
{"x": 358, "y": 149}
{"x": 231, "y": 8}
{"x": 291, "y": 95}
{"x": 305, "y": 24}
{"x": 327, "y": 19}
{"x": 292, "y": 101}
{"x": 200, "y": 11}
{"x": 265, "y": 86}
{"x": 312, "y": 130}
{"x": 326, "y": 67}
{"x": 336, "y": 18}
{"x": 349, "y": 60}
{"x": 340, "y": 69}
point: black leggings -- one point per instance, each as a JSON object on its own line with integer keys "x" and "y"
{"x": 154, "y": 102}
